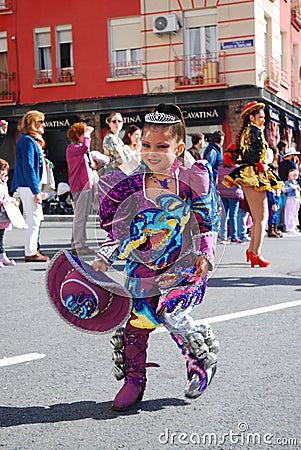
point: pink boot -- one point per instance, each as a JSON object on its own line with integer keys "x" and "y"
{"x": 5, "y": 261}
{"x": 134, "y": 365}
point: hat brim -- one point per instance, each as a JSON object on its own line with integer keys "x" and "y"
{"x": 251, "y": 108}
{"x": 291, "y": 153}
{"x": 104, "y": 322}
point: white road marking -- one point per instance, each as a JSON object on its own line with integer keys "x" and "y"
{"x": 223, "y": 318}
{"x": 240, "y": 314}
{"x": 20, "y": 359}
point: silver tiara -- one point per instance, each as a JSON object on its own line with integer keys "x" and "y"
{"x": 161, "y": 118}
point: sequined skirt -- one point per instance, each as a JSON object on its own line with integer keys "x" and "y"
{"x": 249, "y": 175}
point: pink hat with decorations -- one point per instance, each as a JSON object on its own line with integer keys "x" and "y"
{"x": 87, "y": 299}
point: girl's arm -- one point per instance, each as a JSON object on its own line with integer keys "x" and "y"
{"x": 205, "y": 208}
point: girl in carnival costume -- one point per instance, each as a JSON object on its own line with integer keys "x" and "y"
{"x": 5, "y": 223}
{"x": 163, "y": 221}
{"x": 253, "y": 173}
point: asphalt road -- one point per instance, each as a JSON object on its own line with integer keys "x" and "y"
{"x": 62, "y": 398}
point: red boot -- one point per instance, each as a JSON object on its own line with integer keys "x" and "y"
{"x": 134, "y": 364}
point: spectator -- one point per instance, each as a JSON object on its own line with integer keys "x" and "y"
{"x": 288, "y": 163}
{"x": 198, "y": 143}
{"x": 29, "y": 174}
{"x": 113, "y": 145}
{"x": 291, "y": 210}
{"x": 230, "y": 198}
{"x": 213, "y": 151}
{"x": 4, "y": 220}
{"x": 132, "y": 144}
{"x": 81, "y": 180}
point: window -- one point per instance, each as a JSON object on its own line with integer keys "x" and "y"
{"x": 43, "y": 63}
{"x": 3, "y": 52}
{"x": 125, "y": 47}
{"x": 283, "y": 50}
{"x": 200, "y": 44}
{"x": 64, "y": 53}
{"x": 4, "y": 75}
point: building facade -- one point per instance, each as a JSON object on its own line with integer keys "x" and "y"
{"x": 210, "y": 57}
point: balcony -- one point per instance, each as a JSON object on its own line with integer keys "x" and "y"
{"x": 44, "y": 76}
{"x": 296, "y": 14}
{"x": 127, "y": 69}
{"x": 7, "y": 87}
{"x": 65, "y": 74}
{"x": 200, "y": 71}
{"x": 273, "y": 74}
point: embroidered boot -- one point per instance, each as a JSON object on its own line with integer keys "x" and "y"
{"x": 133, "y": 364}
{"x": 198, "y": 376}
{"x": 199, "y": 348}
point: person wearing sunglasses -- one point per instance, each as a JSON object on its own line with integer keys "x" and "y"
{"x": 112, "y": 144}
{"x": 29, "y": 175}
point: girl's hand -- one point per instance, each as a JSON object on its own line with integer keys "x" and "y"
{"x": 99, "y": 266}
{"x": 201, "y": 266}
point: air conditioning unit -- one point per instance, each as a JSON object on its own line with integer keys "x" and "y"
{"x": 167, "y": 23}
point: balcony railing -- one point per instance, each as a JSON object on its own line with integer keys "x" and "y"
{"x": 273, "y": 74}
{"x": 44, "y": 76}
{"x": 65, "y": 74}
{"x": 127, "y": 69}
{"x": 296, "y": 13}
{"x": 200, "y": 70}
{"x": 7, "y": 87}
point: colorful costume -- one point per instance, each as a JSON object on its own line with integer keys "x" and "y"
{"x": 250, "y": 155}
{"x": 160, "y": 242}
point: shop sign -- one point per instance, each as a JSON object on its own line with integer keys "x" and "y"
{"x": 205, "y": 115}
{"x": 243, "y": 43}
{"x": 60, "y": 122}
{"x": 198, "y": 116}
{"x": 274, "y": 115}
{"x": 290, "y": 122}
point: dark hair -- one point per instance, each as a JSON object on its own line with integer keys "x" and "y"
{"x": 128, "y": 133}
{"x": 281, "y": 145}
{"x": 196, "y": 137}
{"x": 246, "y": 121}
{"x": 177, "y": 130}
{"x": 217, "y": 137}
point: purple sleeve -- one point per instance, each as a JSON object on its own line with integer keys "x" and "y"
{"x": 204, "y": 207}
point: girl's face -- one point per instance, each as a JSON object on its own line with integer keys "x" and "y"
{"x": 258, "y": 119}
{"x": 293, "y": 175}
{"x": 3, "y": 173}
{"x": 116, "y": 123}
{"x": 159, "y": 149}
{"x": 135, "y": 137}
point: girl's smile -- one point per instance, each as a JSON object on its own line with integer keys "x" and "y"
{"x": 159, "y": 149}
